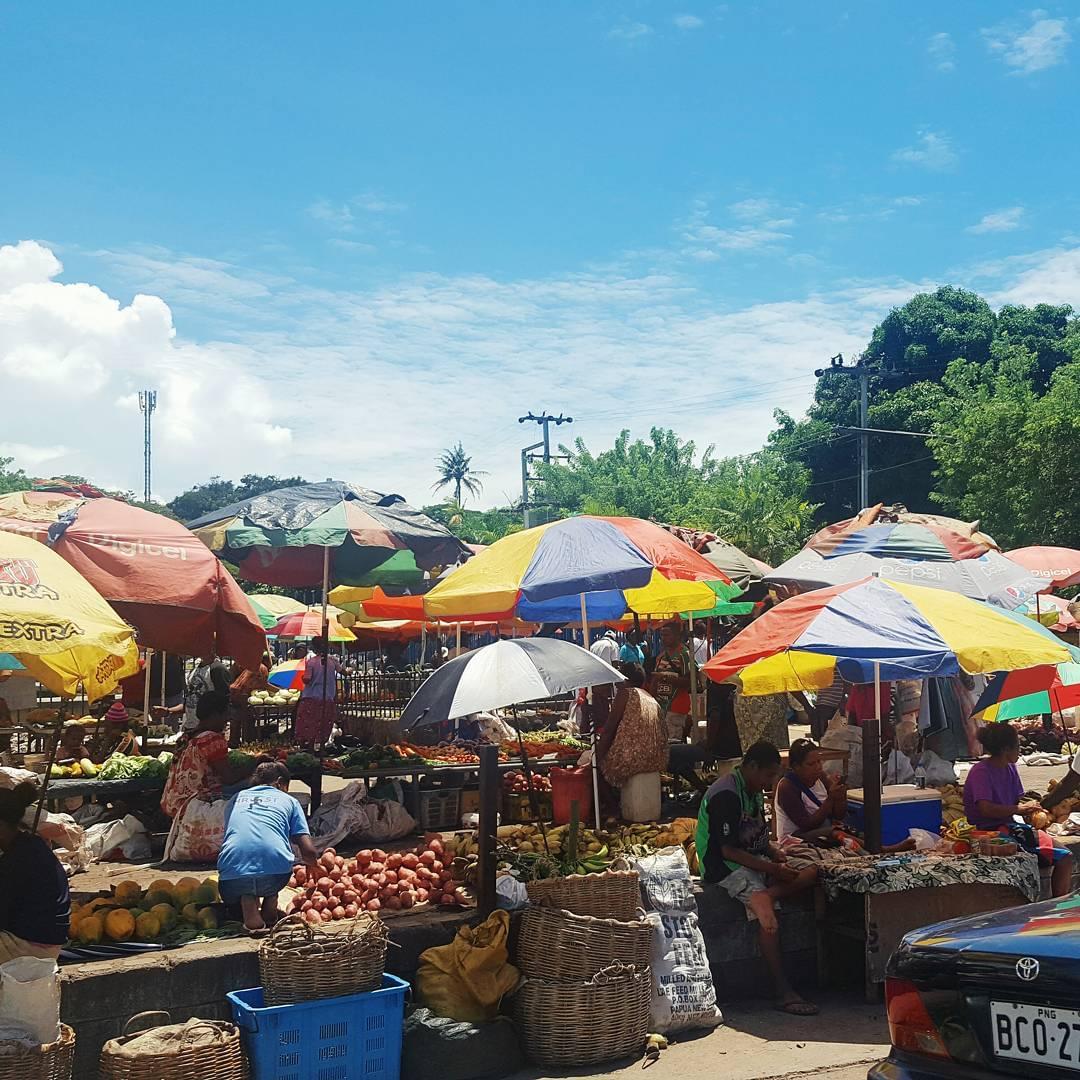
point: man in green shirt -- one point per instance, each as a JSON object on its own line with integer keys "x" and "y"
{"x": 735, "y": 853}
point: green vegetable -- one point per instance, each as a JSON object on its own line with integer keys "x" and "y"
{"x": 240, "y": 761}
{"x": 301, "y": 762}
{"x": 122, "y": 767}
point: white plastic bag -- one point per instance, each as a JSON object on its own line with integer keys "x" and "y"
{"x": 939, "y": 772}
{"x": 107, "y": 836}
{"x": 842, "y": 737}
{"x": 387, "y": 820}
{"x": 510, "y": 893}
{"x": 340, "y": 814}
{"x": 924, "y": 841}
{"x": 897, "y": 769}
{"x": 30, "y": 996}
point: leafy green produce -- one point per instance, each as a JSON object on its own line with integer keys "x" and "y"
{"x": 122, "y": 767}
{"x": 240, "y": 761}
{"x": 301, "y": 762}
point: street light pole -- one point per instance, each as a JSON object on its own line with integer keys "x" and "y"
{"x": 862, "y": 373}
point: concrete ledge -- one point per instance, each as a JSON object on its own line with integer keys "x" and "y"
{"x": 99, "y": 997}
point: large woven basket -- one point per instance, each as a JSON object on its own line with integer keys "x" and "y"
{"x": 299, "y": 963}
{"x": 53, "y": 1061}
{"x": 221, "y": 1060}
{"x": 557, "y": 945}
{"x": 585, "y": 1023}
{"x": 611, "y": 895}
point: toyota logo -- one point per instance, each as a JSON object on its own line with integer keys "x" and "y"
{"x": 1027, "y": 969}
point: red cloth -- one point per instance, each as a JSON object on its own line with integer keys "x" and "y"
{"x": 315, "y": 720}
{"x": 860, "y": 703}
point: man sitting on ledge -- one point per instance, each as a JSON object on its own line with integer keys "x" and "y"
{"x": 735, "y": 853}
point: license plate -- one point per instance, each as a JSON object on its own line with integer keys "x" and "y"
{"x": 1036, "y": 1034}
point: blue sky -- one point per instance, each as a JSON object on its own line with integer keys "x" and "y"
{"x": 338, "y": 238}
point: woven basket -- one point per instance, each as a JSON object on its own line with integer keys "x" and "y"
{"x": 611, "y": 895}
{"x": 584, "y": 1023}
{"x": 222, "y": 1060}
{"x": 299, "y": 963}
{"x": 559, "y": 945}
{"x": 53, "y": 1061}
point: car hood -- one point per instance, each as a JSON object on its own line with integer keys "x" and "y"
{"x": 1051, "y": 928}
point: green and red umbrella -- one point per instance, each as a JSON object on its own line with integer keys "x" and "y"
{"x": 1035, "y": 692}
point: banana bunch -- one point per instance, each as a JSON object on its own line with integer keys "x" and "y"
{"x": 594, "y": 863}
{"x": 653, "y": 1045}
{"x": 952, "y": 803}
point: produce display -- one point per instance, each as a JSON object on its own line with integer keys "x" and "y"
{"x": 273, "y": 697}
{"x": 1059, "y": 813}
{"x": 116, "y": 767}
{"x": 375, "y": 880}
{"x": 166, "y": 912}
{"x": 517, "y": 783}
{"x": 1034, "y": 738}
{"x": 376, "y": 757}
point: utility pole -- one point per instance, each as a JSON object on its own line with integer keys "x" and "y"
{"x": 528, "y": 455}
{"x": 862, "y": 373}
{"x": 147, "y": 405}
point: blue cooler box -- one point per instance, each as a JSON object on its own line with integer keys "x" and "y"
{"x": 903, "y": 807}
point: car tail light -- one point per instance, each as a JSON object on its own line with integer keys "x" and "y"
{"x": 910, "y": 1026}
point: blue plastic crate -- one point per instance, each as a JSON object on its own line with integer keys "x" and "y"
{"x": 357, "y": 1037}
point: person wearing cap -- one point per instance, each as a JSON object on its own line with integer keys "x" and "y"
{"x": 606, "y": 648}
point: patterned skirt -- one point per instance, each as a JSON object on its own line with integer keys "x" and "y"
{"x": 315, "y": 720}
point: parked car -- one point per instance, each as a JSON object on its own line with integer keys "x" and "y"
{"x": 997, "y": 995}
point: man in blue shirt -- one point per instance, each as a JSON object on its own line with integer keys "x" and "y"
{"x": 261, "y": 825}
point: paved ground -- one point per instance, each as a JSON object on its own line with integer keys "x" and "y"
{"x": 757, "y": 1043}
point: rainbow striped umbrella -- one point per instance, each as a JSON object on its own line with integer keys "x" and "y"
{"x": 288, "y": 675}
{"x": 618, "y": 565}
{"x": 308, "y": 624}
{"x": 902, "y": 535}
{"x": 1035, "y": 692}
{"x": 874, "y": 629}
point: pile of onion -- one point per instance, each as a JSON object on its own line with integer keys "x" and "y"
{"x": 374, "y": 881}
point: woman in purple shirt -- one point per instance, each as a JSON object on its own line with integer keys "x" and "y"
{"x": 994, "y": 795}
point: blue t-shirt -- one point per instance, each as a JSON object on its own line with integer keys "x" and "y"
{"x": 631, "y": 654}
{"x": 259, "y": 823}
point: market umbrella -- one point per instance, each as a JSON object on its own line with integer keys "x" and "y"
{"x": 333, "y": 531}
{"x": 872, "y": 630}
{"x": 1057, "y": 567}
{"x": 505, "y": 673}
{"x": 270, "y": 607}
{"x": 57, "y": 626}
{"x": 894, "y": 532}
{"x": 288, "y": 675}
{"x": 596, "y": 567}
{"x": 989, "y": 577}
{"x": 152, "y": 570}
{"x": 1034, "y": 692}
{"x": 309, "y": 623}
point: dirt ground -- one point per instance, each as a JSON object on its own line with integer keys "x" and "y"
{"x": 755, "y": 1042}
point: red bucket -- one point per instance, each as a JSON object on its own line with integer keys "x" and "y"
{"x": 570, "y": 786}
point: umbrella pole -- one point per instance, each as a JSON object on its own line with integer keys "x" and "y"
{"x": 592, "y": 723}
{"x": 487, "y": 830}
{"x": 164, "y": 659}
{"x": 871, "y": 747}
{"x": 146, "y": 697}
{"x": 325, "y": 593}
{"x": 48, "y": 771}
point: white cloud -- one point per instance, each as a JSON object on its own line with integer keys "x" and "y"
{"x": 688, "y": 22}
{"x": 360, "y": 211}
{"x": 630, "y": 31}
{"x": 999, "y": 221}
{"x": 942, "y": 52}
{"x": 759, "y": 226}
{"x": 933, "y": 150}
{"x": 370, "y": 384}
{"x": 1025, "y": 49}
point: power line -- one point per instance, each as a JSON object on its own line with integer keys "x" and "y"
{"x": 873, "y": 472}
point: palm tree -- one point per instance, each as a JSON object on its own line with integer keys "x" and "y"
{"x": 455, "y": 467}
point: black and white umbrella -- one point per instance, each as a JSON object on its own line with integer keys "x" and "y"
{"x": 506, "y": 673}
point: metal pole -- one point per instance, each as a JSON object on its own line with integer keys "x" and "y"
{"x": 146, "y": 697}
{"x": 164, "y": 662}
{"x": 864, "y": 438}
{"x": 592, "y": 722}
{"x": 525, "y": 488}
{"x": 487, "y": 829}
{"x": 326, "y": 592}
{"x": 871, "y": 746}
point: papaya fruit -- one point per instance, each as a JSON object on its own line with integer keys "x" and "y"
{"x": 99, "y": 901}
{"x": 119, "y": 925}
{"x": 127, "y": 893}
{"x": 91, "y": 930}
{"x": 166, "y": 916}
{"x": 147, "y": 927}
{"x": 207, "y": 892}
{"x": 184, "y": 891}
{"x": 208, "y": 919}
{"x": 135, "y": 912}
{"x": 189, "y": 913}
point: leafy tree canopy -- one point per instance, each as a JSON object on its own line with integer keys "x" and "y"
{"x": 216, "y": 493}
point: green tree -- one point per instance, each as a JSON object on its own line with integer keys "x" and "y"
{"x": 216, "y": 493}
{"x": 475, "y": 526}
{"x": 12, "y": 479}
{"x": 455, "y": 468}
{"x": 758, "y": 502}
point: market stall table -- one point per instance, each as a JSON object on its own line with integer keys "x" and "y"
{"x": 879, "y": 899}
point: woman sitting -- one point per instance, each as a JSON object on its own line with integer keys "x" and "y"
{"x": 807, "y": 800}
{"x": 35, "y": 906}
{"x": 994, "y": 796}
{"x": 201, "y": 768}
